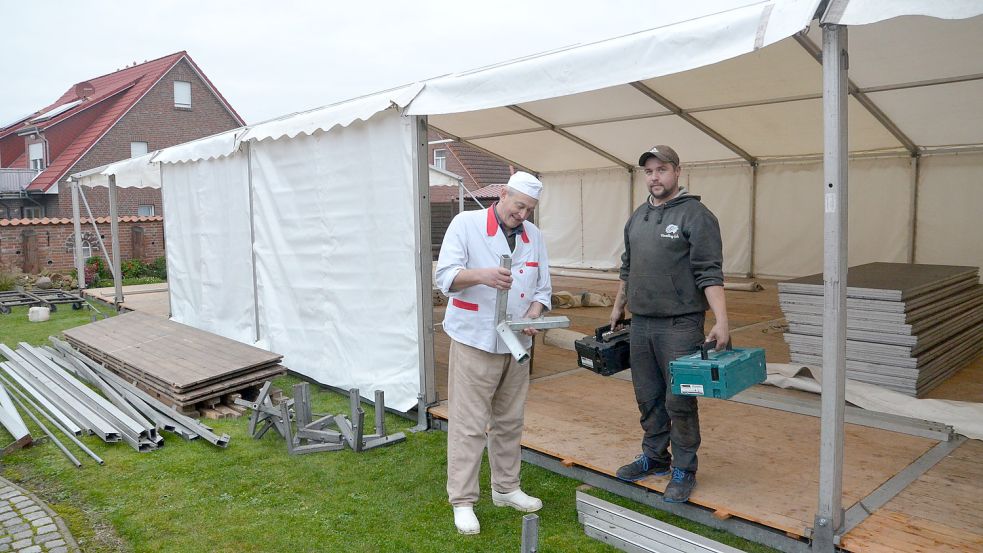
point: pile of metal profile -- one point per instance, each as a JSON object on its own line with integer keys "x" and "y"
{"x": 178, "y": 365}
{"x": 627, "y": 530}
{"x": 60, "y": 385}
{"x": 304, "y": 432}
{"x": 909, "y": 326}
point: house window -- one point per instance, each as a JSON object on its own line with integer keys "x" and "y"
{"x": 440, "y": 158}
{"x": 145, "y": 210}
{"x": 33, "y": 211}
{"x": 86, "y": 250}
{"x": 182, "y": 94}
{"x": 138, "y": 148}
{"x": 36, "y": 155}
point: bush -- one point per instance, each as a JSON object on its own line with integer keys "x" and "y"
{"x": 158, "y": 268}
{"x": 7, "y": 281}
{"x": 102, "y": 270}
{"x": 133, "y": 268}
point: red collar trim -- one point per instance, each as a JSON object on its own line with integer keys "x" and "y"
{"x": 492, "y": 224}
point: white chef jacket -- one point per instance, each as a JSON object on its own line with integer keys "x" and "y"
{"x": 474, "y": 240}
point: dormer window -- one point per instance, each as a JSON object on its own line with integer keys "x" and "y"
{"x": 182, "y": 94}
{"x": 36, "y": 155}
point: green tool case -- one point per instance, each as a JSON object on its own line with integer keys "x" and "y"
{"x": 717, "y": 374}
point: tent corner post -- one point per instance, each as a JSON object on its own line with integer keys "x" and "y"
{"x": 420, "y": 175}
{"x": 114, "y": 232}
{"x": 77, "y": 223}
{"x": 830, "y": 515}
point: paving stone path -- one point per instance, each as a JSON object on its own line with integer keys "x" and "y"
{"x": 27, "y": 525}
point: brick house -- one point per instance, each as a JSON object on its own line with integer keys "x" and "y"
{"x": 140, "y": 108}
{"x": 479, "y": 171}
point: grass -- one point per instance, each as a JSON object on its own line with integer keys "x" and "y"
{"x": 254, "y": 497}
{"x": 108, "y": 282}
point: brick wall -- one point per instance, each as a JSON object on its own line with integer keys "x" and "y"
{"x": 156, "y": 121}
{"x": 56, "y": 240}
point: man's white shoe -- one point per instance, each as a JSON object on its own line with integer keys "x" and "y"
{"x": 518, "y": 500}
{"x": 465, "y": 520}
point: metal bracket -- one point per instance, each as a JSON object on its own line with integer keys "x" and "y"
{"x": 508, "y": 329}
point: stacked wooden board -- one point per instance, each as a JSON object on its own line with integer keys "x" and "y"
{"x": 175, "y": 363}
{"x": 909, "y": 327}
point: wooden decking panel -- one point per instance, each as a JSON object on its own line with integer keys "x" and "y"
{"x": 941, "y": 511}
{"x": 174, "y": 354}
{"x": 758, "y": 464}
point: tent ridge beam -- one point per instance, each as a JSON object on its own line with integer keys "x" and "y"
{"x": 573, "y": 138}
{"x": 864, "y": 100}
{"x": 919, "y": 84}
{"x": 676, "y": 110}
{"x": 480, "y": 149}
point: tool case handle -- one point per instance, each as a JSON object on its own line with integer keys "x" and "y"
{"x": 707, "y": 346}
{"x": 600, "y": 331}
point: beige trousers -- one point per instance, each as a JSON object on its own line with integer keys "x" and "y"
{"x": 486, "y": 391}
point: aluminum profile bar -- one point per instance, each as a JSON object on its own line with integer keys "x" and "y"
{"x": 141, "y": 437}
{"x": 530, "y": 533}
{"x": 74, "y": 460}
{"x": 25, "y": 397}
{"x": 79, "y": 370}
{"x": 571, "y": 137}
{"x": 82, "y": 415}
{"x": 12, "y": 421}
{"x": 852, "y": 415}
{"x": 114, "y": 232}
{"x": 829, "y": 515}
{"x": 77, "y": 224}
{"x": 420, "y": 182}
{"x": 645, "y": 533}
{"x": 879, "y": 497}
{"x": 57, "y": 413}
{"x": 676, "y": 110}
{"x": 128, "y": 390}
{"x": 862, "y": 98}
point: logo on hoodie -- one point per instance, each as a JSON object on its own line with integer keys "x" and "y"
{"x": 672, "y": 231}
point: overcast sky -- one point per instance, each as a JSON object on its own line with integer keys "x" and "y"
{"x": 271, "y": 58}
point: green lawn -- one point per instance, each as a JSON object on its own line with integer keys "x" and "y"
{"x": 254, "y": 497}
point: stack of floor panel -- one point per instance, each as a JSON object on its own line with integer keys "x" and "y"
{"x": 909, "y": 327}
{"x": 177, "y": 364}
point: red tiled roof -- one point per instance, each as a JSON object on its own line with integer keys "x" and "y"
{"x": 83, "y": 220}
{"x": 490, "y": 191}
{"x": 123, "y": 89}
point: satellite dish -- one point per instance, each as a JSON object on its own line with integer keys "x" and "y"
{"x": 84, "y": 89}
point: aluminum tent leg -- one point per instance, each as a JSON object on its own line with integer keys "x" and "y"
{"x": 77, "y": 222}
{"x": 829, "y": 517}
{"x": 114, "y": 230}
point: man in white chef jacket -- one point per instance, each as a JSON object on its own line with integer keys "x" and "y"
{"x": 487, "y": 387}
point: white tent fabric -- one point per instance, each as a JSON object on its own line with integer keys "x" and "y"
{"x": 864, "y": 12}
{"x": 210, "y": 147}
{"x": 209, "y": 252}
{"x": 137, "y": 172}
{"x": 670, "y": 49}
{"x": 336, "y": 256}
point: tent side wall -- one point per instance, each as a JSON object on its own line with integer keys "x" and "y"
{"x": 894, "y": 201}
{"x": 333, "y": 217}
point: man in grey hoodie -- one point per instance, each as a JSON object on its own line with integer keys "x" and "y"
{"x": 671, "y": 272}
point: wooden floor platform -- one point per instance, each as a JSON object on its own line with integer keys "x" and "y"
{"x": 757, "y": 464}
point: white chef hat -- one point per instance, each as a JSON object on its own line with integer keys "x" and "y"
{"x": 526, "y": 183}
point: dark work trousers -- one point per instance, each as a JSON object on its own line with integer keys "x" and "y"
{"x": 666, "y": 418}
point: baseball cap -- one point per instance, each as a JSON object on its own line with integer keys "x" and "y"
{"x": 661, "y": 152}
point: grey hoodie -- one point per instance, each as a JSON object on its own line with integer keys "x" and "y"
{"x": 672, "y": 252}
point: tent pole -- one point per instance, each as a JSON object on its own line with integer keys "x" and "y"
{"x": 829, "y": 517}
{"x": 913, "y": 216}
{"x": 114, "y": 232}
{"x": 77, "y": 222}
{"x": 421, "y": 208}
{"x": 752, "y": 223}
{"x": 252, "y": 235}
{"x": 160, "y": 170}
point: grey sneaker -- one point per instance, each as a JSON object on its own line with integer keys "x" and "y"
{"x": 680, "y": 486}
{"x": 641, "y": 467}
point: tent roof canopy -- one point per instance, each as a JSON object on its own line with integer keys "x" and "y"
{"x": 738, "y": 85}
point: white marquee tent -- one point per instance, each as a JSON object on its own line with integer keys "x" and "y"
{"x": 310, "y": 234}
